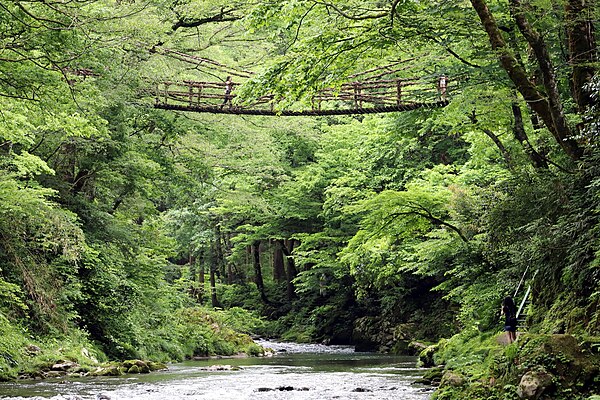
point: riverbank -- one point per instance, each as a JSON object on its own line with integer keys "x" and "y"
{"x": 199, "y": 332}
{"x": 474, "y": 366}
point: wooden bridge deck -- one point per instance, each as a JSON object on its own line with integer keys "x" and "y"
{"x": 359, "y": 97}
{"x": 290, "y": 113}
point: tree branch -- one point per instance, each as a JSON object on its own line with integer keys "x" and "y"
{"x": 353, "y": 17}
{"x": 539, "y": 103}
{"x": 223, "y": 16}
{"x": 421, "y": 211}
{"x": 425, "y": 213}
{"x": 537, "y": 43}
{"x": 452, "y": 52}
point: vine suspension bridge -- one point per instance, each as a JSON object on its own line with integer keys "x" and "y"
{"x": 378, "y": 90}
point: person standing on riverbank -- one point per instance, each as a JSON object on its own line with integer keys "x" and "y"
{"x": 509, "y": 310}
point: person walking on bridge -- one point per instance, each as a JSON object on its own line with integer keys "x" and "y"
{"x": 228, "y": 89}
{"x": 442, "y": 86}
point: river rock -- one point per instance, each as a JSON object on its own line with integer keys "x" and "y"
{"x": 54, "y": 374}
{"x": 426, "y": 356}
{"x": 111, "y": 370}
{"x": 431, "y": 377}
{"x": 33, "y": 350}
{"x": 221, "y": 368}
{"x": 282, "y": 389}
{"x": 64, "y": 366}
{"x": 451, "y": 378}
{"x": 135, "y": 367}
{"x": 156, "y": 366}
{"x": 371, "y": 333}
{"x": 416, "y": 347}
{"x": 361, "y": 390}
{"x": 533, "y": 384}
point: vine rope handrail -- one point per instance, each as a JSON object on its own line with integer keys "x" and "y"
{"x": 357, "y": 97}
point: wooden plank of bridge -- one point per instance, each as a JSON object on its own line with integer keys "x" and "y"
{"x": 290, "y": 113}
{"x": 398, "y": 92}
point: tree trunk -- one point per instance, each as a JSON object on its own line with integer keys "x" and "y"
{"x": 192, "y": 266}
{"x": 213, "y": 290}
{"x": 582, "y": 49}
{"x": 520, "y": 134}
{"x": 220, "y": 271}
{"x": 201, "y": 270}
{"x": 547, "y": 106}
{"x": 258, "y": 278}
{"x": 278, "y": 264}
{"x": 214, "y": 266}
{"x": 195, "y": 290}
{"x": 536, "y": 41}
{"x": 230, "y": 277}
{"x": 287, "y": 247}
{"x": 500, "y": 146}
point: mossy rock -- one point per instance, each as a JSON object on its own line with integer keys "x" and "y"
{"x": 453, "y": 379}
{"x": 401, "y": 347}
{"x": 135, "y": 367}
{"x": 131, "y": 363}
{"x": 431, "y": 377}
{"x": 534, "y": 383}
{"x": 110, "y": 370}
{"x": 426, "y": 356}
{"x": 563, "y": 355}
{"x": 83, "y": 369}
{"x": 156, "y": 366}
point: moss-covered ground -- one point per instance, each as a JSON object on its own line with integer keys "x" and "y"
{"x": 484, "y": 366}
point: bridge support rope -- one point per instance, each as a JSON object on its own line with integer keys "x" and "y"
{"x": 293, "y": 113}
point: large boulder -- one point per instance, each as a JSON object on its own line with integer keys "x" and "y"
{"x": 64, "y": 366}
{"x": 431, "y": 377}
{"x": 572, "y": 362}
{"x": 135, "y": 367}
{"x": 110, "y": 370}
{"x": 452, "y": 378}
{"x": 533, "y": 384}
{"x": 426, "y": 356}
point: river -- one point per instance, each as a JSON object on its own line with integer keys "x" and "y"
{"x": 296, "y": 372}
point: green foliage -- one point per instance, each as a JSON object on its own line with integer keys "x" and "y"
{"x": 468, "y": 350}
{"x": 204, "y": 332}
{"x": 110, "y": 211}
{"x": 239, "y": 297}
{"x": 11, "y": 349}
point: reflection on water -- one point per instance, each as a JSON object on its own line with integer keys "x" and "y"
{"x": 297, "y": 372}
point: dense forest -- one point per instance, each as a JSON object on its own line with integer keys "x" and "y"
{"x": 129, "y": 231}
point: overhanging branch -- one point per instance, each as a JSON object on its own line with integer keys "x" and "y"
{"x": 224, "y": 15}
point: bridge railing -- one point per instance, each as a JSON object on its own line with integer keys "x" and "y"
{"x": 353, "y": 95}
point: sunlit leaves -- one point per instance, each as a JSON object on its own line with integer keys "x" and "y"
{"x": 405, "y": 232}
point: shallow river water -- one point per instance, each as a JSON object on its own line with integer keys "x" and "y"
{"x": 296, "y": 372}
